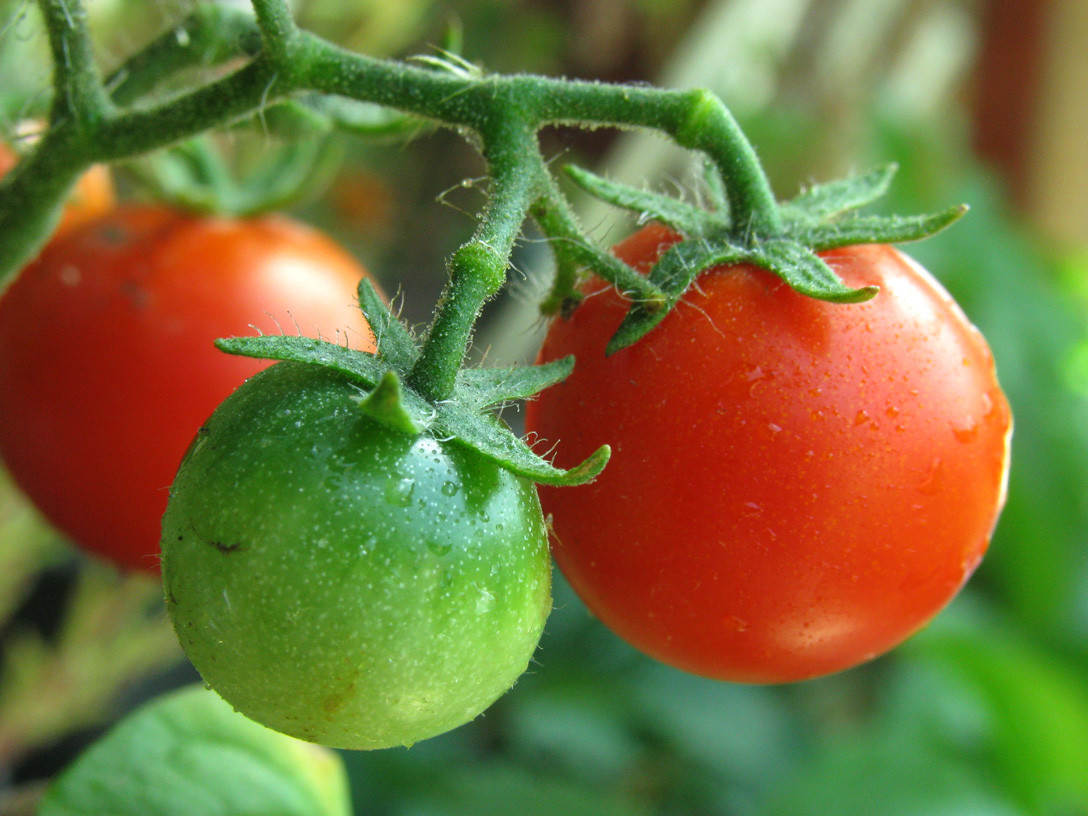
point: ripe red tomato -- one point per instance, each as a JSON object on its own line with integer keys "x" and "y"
{"x": 795, "y": 486}
{"x": 93, "y": 194}
{"x": 107, "y": 367}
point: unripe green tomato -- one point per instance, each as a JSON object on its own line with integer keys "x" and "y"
{"x": 345, "y": 583}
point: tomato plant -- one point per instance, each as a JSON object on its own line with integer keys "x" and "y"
{"x": 344, "y": 582}
{"x": 796, "y": 486}
{"x": 107, "y": 366}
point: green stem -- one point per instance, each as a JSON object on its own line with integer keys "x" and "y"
{"x": 31, "y": 198}
{"x": 210, "y": 35}
{"x": 478, "y": 269}
{"x": 80, "y": 94}
{"x": 552, "y": 212}
{"x": 505, "y": 112}
{"x": 695, "y": 119}
{"x": 278, "y": 30}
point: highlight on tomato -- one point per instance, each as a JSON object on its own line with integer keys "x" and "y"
{"x": 107, "y": 363}
{"x": 796, "y": 486}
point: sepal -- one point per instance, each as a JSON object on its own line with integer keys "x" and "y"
{"x": 806, "y": 273}
{"x": 395, "y": 407}
{"x": 822, "y": 201}
{"x": 362, "y": 368}
{"x": 489, "y": 437}
{"x": 683, "y": 217}
{"x": 385, "y": 398}
{"x": 395, "y": 343}
{"x": 879, "y": 229}
{"x": 484, "y": 387}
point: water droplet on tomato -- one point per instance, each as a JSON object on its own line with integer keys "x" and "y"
{"x": 399, "y": 492}
{"x": 736, "y": 624}
{"x": 439, "y": 548}
{"x": 931, "y": 483}
{"x": 484, "y": 602}
{"x": 967, "y": 432}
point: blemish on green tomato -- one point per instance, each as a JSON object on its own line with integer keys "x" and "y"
{"x": 351, "y": 617}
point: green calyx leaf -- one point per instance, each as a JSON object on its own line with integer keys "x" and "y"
{"x": 822, "y": 201}
{"x": 385, "y": 398}
{"x": 819, "y": 218}
{"x": 387, "y": 404}
{"x": 685, "y": 218}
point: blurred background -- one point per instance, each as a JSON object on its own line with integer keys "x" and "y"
{"x": 984, "y": 712}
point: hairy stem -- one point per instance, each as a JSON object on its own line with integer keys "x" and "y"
{"x": 79, "y": 93}
{"x": 503, "y": 112}
{"x": 477, "y": 269}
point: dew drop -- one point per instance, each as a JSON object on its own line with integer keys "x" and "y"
{"x": 967, "y": 432}
{"x": 484, "y": 602}
{"x": 399, "y": 492}
{"x": 931, "y": 483}
{"x": 438, "y": 547}
{"x": 450, "y": 489}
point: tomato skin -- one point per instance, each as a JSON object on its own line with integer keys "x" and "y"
{"x": 346, "y": 583}
{"x": 107, "y": 366}
{"x": 795, "y": 486}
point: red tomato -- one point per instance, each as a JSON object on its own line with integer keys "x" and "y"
{"x": 93, "y": 194}
{"x": 107, "y": 366}
{"x": 795, "y": 486}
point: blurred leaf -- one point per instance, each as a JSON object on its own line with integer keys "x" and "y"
{"x": 1036, "y": 706}
{"x": 886, "y": 775}
{"x": 581, "y": 726}
{"x": 190, "y": 753}
{"x": 500, "y": 789}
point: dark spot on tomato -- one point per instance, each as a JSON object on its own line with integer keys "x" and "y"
{"x": 227, "y": 548}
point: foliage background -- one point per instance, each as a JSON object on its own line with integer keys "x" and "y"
{"x": 984, "y": 712}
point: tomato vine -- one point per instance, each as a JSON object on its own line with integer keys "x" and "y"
{"x": 417, "y": 389}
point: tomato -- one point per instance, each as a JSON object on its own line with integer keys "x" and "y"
{"x": 795, "y": 486}
{"x": 107, "y": 366}
{"x": 93, "y": 194}
{"x": 346, "y": 583}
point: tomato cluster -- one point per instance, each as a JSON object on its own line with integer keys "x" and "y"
{"x": 107, "y": 363}
{"x": 796, "y": 486}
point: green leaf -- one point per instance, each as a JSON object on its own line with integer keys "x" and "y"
{"x": 357, "y": 365}
{"x": 806, "y": 273}
{"x": 500, "y": 788}
{"x": 490, "y": 437}
{"x": 683, "y": 217}
{"x": 1037, "y": 706}
{"x": 673, "y": 273}
{"x": 190, "y": 753}
{"x": 483, "y": 387}
{"x": 825, "y": 200}
{"x": 879, "y": 229}
{"x": 396, "y": 345}
{"x": 387, "y": 404}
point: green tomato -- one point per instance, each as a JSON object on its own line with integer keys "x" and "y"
{"x": 344, "y": 583}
